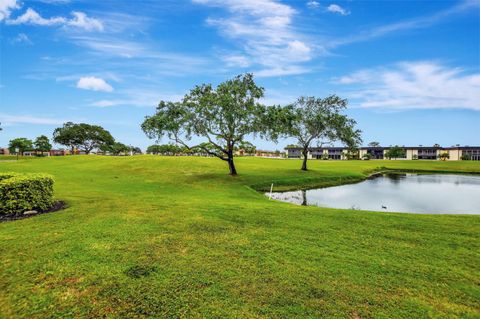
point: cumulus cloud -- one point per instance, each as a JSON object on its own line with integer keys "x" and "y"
{"x": 6, "y": 8}
{"x": 313, "y": 4}
{"x": 32, "y": 17}
{"x": 412, "y": 85}
{"x": 335, "y": 8}
{"x": 80, "y": 20}
{"x": 263, "y": 30}
{"x": 93, "y": 83}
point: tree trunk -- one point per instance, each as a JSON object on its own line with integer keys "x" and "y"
{"x": 305, "y": 158}
{"x": 304, "y": 198}
{"x": 231, "y": 166}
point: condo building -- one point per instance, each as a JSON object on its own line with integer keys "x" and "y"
{"x": 454, "y": 153}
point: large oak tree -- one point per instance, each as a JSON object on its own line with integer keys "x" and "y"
{"x": 42, "y": 144}
{"x": 221, "y": 116}
{"x": 82, "y": 136}
{"x": 22, "y": 144}
{"x": 320, "y": 120}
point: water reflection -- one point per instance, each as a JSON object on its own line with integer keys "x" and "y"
{"x": 415, "y": 193}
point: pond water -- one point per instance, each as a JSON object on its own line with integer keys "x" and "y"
{"x": 409, "y": 193}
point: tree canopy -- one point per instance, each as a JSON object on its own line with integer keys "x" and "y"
{"x": 395, "y": 152}
{"x": 82, "y": 136}
{"x": 23, "y": 144}
{"x": 222, "y": 116}
{"x": 166, "y": 149}
{"x": 444, "y": 156}
{"x": 42, "y": 144}
{"x": 247, "y": 147}
{"x": 116, "y": 148}
{"x": 319, "y": 120}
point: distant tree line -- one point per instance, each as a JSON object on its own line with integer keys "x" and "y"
{"x": 169, "y": 149}
{"x": 77, "y": 138}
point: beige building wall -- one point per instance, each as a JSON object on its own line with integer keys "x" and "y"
{"x": 455, "y": 154}
{"x": 411, "y": 153}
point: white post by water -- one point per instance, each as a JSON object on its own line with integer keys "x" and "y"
{"x": 271, "y": 190}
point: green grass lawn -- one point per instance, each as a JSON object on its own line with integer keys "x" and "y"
{"x": 176, "y": 237}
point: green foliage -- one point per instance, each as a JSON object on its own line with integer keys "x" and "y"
{"x": 23, "y": 192}
{"x": 465, "y": 157}
{"x": 42, "y": 144}
{"x": 367, "y": 156}
{"x": 247, "y": 147}
{"x": 222, "y": 250}
{"x": 320, "y": 120}
{"x": 223, "y": 116}
{"x": 414, "y": 157}
{"x": 352, "y": 154}
{"x": 116, "y": 148}
{"x": 395, "y": 152}
{"x": 374, "y": 144}
{"x": 135, "y": 150}
{"x": 166, "y": 149}
{"x": 82, "y": 136}
{"x": 191, "y": 221}
{"x": 444, "y": 156}
{"x": 292, "y": 146}
{"x": 22, "y": 143}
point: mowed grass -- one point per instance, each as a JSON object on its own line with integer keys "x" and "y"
{"x": 176, "y": 237}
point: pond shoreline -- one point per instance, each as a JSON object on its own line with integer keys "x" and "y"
{"x": 317, "y": 183}
{"x": 394, "y": 191}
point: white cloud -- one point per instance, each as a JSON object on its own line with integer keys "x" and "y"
{"x": 6, "y": 7}
{"x": 32, "y": 17}
{"x": 28, "y": 119}
{"x": 411, "y": 85}
{"x": 111, "y": 47}
{"x": 335, "y": 8}
{"x": 93, "y": 83}
{"x": 239, "y": 61}
{"x": 263, "y": 30}
{"x": 56, "y": 1}
{"x": 410, "y": 24}
{"x": 80, "y": 20}
{"x": 313, "y": 4}
{"x": 22, "y": 38}
{"x": 137, "y": 98}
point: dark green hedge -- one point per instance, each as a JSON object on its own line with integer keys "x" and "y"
{"x": 23, "y": 192}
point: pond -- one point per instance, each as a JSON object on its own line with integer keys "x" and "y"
{"x": 407, "y": 193}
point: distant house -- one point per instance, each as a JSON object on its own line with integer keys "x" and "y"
{"x": 4, "y": 151}
{"x": 455, "y": 153}
{"x": 263, "y": 153}
{"x": 59, "y": 152}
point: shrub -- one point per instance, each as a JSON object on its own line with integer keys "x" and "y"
{"x": 23, "y": 192}
{"x": 7, "y": 175}
{"x": 367, "y": 156}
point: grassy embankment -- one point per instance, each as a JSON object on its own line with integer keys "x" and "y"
{"x": 177, "y": 237}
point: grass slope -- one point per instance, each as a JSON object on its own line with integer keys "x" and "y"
{"x": 167, "y": 237}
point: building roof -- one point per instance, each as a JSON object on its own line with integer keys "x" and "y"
{"x": 387, "y": 147}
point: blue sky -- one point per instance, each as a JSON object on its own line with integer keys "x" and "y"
{"x": 410, "y": 69}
